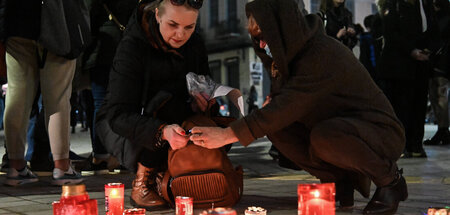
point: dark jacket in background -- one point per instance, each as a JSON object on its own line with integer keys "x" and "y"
{"x": 367, "y": 54}
{"x": 143, "y": 67}
{"x": 23, "y": 18}
{"x": 402, "y": 31}
{"x": 441, "y": 60}
{"x": 106, "y": 36}
{"x": 335, "y": 19}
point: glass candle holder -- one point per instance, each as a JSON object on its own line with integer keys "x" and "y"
{"x": 75, "y": 201}
{"x": 114, "y": 198}
{"x": 316, "y": 199}
{"x": 184, "y": 205}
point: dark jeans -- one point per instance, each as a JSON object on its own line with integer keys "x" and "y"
{"x": 98, "y": 93}
{"x": 30, "y": 131}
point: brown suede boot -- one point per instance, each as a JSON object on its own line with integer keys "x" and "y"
{"x": 144, "y": 193}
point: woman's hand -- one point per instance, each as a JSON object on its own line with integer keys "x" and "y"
{"x": 175, "y": 135}
{"x": 351, "y": 31}
{"x": 201, "y": 104}
{"x": 342, "y": 32}
{"x": 267, "y": 101}
{"x": 212, "y": 137}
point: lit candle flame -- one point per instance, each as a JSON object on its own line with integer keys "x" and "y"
{"x": 316, "y": 194}
{"x": 114, "y": 193}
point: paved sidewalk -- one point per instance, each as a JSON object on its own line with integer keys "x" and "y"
{"x": 265, "y": 184}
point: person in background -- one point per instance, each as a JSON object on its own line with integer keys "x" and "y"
{"x": 159, "y": 47}
{"x": 440, "y": 74}
{"x": 409, "y": 32}
{"x": 108, "y": 21}
{"x": 252, "y": 98}
{"x": 325, "y": 112}
{"x": 338, "y": 21}
{"x": 367, "y": 48}
{"x": 28, "y": 63}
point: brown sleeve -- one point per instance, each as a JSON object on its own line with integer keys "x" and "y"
{"x": 242, "y": 131}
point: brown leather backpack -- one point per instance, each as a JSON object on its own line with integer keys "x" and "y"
{"x": 207, "y": 175}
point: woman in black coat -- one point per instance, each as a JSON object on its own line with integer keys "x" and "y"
{"x": 338, "y": 21}
{"x": 148, "y": 97}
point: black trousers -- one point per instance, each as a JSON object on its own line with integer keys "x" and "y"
{"x": 409, "y": 100}
{"x": 339, "y": 147}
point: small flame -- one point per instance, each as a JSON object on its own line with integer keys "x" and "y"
{"x": 114, "y": 192}
{"x": 316, "y": 194}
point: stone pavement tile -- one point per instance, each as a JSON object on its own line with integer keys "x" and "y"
{"x": 42, "y": 212}
{"x": 42, "y": 198}
{"x": 29, "y": 207}
{"x": 16, "y": 203}
{"x": 8, "y": 199}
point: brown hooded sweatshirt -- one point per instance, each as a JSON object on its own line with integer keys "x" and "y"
{"x": 318, "y": 79}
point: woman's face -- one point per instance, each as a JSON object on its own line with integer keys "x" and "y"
{"x": 176, "y": 24}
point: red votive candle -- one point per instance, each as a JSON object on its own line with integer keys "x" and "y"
{"x": 75, "y": 201}
{"x": 317, "y": 199}
{"x": 184, "y": 205}
{"x": 114, "y": 202}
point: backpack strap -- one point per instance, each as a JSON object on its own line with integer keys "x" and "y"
{"x": 113, "y": 18}
{"x": 165, "y": 188}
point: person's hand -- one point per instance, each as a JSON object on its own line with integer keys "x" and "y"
{"x": 420, "y": 55}
{"x": 267, "y": 101}
{"x": 201, "y": 104}
{"x": 4, "y": 89}
{"x": 342, "y": 32}
{"x": 212, "y": 137}
{"x": 175, "y": 135}
{"x": 351, "y": 31}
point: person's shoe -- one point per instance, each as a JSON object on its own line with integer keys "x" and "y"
{"x": 15, "y": 177}
{"x": 5, "y": 163}
{"x": 69, "y": 177}
{"x": 99, "y": 167}
{"x": 419, "y": 154}
{"x": 42, "y": 168}
{"x": 442, "y": 136}
{"x": 75, "y": 157}
{"x": 143, "y": 193}
{"x": 386, "y": 199}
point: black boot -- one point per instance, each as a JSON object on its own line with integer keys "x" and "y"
{"x": 442, "y": 136}
{"x": 386, "y": 199}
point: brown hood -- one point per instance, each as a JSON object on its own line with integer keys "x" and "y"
{"x": 285, "y": 30}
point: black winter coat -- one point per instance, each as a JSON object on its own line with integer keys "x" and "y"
{"x": 402, "y": 32}
{"x": 142, "y": 69}
{"x": 106, "y": 36}
{"x": 336, "y": 19}
{"x": 23, "y": 18}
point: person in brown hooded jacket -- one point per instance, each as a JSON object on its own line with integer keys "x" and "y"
{"x": 325, "y": 113}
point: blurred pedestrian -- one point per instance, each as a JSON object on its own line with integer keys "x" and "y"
{"x": 30, "y": 63}
{"x": 439, "y": 82}
{"x": 409, "y": 30}
{"x": 338, "y": 21}
{"x": 108, "y": 21}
